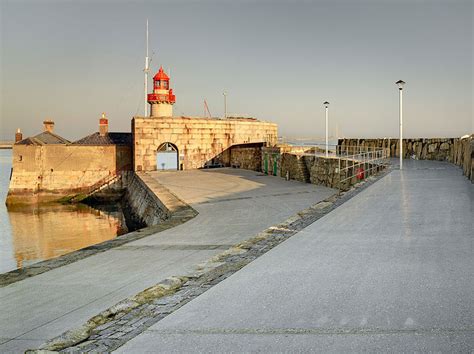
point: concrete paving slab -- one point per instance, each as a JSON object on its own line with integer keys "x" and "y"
{"x": 231, "y": 202}
{"x": 389, "y": 270}
{"x": 19, "y": 345}
{"x": 300, "y": 343}
{"x": 44, "y": 306}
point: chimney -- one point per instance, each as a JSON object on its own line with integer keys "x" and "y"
{"x": 103, "y": 125}
{"x": 48, "y": 125}
{"x": 18, "y": 135}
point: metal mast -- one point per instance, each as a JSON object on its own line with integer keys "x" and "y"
{"x": 326, "y": 104}
{"x": 400, "y": 84}
{"x": 146, "y": 72}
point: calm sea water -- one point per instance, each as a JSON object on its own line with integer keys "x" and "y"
{"x": 32, "y": 234}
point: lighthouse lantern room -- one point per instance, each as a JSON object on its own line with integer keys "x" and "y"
{"x": 162, "y": 98}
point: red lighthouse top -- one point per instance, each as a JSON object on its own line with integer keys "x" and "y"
{"x": 161, "y": 89}
{"x": 161, "y": 75}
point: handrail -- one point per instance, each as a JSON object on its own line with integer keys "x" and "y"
{"x": 361, "y": 164}
{"x": 105, "y": 181}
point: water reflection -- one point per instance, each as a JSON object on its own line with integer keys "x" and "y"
{"x": 45, "y": 232}
{"x": 30, "y": 234}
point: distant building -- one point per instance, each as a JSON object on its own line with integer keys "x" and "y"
{"x": 48, "y": 167}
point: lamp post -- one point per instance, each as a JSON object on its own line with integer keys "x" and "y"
{"x": 225, "y": 103}
{"x": 326, "y": 104}
{"x": 400, "y": 84}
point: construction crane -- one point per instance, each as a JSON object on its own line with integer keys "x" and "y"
{"x": 207, "y": 113}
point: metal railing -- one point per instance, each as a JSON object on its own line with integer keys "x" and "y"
{"x": 356, "y": 163}
{"x": 162, "y": 97}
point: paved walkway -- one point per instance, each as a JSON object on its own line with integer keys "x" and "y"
{"x": 233, "y": 205}
{"x": 391, "y": 270}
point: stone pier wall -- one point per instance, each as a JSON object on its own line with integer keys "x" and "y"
{"x": 455, "y": 150}
{"x": 151, "y": 203}
{"x": 246, "y": 157}
{"x": 323, "y": 171}
{"x": 144, "y": 204}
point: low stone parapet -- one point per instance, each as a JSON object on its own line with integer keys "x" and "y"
{"x": 459, "y": 151}
{"x": 332, "y": 172}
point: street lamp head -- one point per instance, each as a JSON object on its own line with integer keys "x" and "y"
{"x": 400, "y": 84}
{"x": 224, "y": 93}
{"x": 326, "y": 103}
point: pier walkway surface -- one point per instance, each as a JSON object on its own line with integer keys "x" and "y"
{"x": 233, "y": 205}
{"x": 390, "y": 270}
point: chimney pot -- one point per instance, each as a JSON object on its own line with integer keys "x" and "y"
{"x": 48, "y": 125}
{"x": 18, "y": 135}
{"x": 103, "y": 125}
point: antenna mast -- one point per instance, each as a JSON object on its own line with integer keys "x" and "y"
{"x": 146, "y": 72}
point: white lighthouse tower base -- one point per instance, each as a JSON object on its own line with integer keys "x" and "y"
{"x": 161, "y": 110}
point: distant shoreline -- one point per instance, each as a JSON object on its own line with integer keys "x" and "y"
{"x": 6, "y": 144}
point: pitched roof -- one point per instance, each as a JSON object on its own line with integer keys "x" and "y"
{"x": 44, "y": 138}
{"x": 108, "y": 139}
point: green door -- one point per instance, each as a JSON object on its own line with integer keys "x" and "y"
{"x": 265, "y": 164}
{"x": 275, "y": 165}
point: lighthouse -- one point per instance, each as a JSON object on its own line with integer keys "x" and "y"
{"x": 162, "y": 98}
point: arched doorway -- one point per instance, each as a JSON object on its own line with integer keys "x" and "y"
{"x": 167, "y": 157}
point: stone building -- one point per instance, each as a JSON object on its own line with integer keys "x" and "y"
{"x": 48, "y": 167}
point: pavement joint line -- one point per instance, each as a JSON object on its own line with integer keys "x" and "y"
{"x": 95, "y": 300}
{"x": 174, "y": 247}
{"x": 314, "y": 331}
{"x": 77, "y": 308}
{"x": 255, "y": 197}
{"x": 155, "y": 303}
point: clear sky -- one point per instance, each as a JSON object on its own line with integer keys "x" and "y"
{"x": 278, "y": 61}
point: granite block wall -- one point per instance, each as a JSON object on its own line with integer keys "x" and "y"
{"x": 459, "y": 151}
{"x": 51, "y": 172}
{"x": 324, "y": 171}
{"x": 198, "y": 140}
{"x": 143, "y": 202}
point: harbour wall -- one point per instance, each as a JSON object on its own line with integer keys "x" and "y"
{"x": 142, "y": 203}
{"x": 44, "y": 173}
{"x": 302, "y": 165}
{"x": 325, "y": 171}
{"x": 459, "y": 151}
{"x": 246, "y": 156}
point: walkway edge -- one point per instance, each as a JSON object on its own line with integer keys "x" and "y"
{"x": 113, "y": 327}
{"x": 179, "y": 213}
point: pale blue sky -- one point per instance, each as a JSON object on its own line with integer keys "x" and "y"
{"x": 278, "y": 61}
